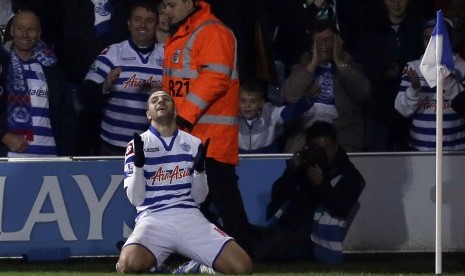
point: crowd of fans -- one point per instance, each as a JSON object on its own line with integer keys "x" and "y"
{"x": 339, "y": 61}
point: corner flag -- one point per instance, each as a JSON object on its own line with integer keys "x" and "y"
{"x": 437, "y": 63}
{"x": 438, "y": 54}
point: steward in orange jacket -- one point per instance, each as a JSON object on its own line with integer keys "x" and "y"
{"x": 201, "y": 75}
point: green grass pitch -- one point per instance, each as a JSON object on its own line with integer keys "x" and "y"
{"x": 355, "y": 264}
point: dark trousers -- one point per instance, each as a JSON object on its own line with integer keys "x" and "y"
{"x": 226, "y": 198}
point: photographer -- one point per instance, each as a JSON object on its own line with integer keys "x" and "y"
{"x": 318, "y": 193}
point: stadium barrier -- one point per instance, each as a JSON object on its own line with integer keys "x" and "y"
{"x": 78, "y": 206}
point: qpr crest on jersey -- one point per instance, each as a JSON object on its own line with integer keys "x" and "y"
{"x": 185, "y": 147}
{"x": 159, "y": 61}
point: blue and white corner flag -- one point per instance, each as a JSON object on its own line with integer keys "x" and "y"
{"x": 438, "y": 54}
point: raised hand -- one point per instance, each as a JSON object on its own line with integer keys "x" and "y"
{"x": 15, "y": 142}
{"x": 338, "y": 52}
{"x": 113, "y": 75}
{"x": 414, "y": 79}
{"x": 311, "y": 66}
{"x": 139, "y": 157}
{"x": 199, "y": 159}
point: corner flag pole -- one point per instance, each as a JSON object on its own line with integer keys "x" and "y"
{"x": 439, "y": 112}
{"x": 436, "y": 64}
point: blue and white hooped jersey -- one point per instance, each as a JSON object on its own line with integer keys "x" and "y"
{"x": 124, "y": 112}
{"x": 168, "y": 171}
{"x": 42, "y": 142}
{"x": 421, "y": 107}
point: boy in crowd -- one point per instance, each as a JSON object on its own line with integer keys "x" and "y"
{"x": 259, "y": 120}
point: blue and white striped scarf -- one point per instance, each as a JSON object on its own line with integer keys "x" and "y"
{"x": 19, "y": 101}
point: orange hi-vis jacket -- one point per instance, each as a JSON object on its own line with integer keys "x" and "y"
{"x": 200, "y": 73}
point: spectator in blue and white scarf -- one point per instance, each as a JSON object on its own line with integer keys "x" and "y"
{"x": 37, "y": 118}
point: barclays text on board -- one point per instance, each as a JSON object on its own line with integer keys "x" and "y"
{"x": 78, "y": 205}
{"x": 81, "y": 205}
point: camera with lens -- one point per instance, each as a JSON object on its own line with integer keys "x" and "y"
{"x": 310, "y": 156}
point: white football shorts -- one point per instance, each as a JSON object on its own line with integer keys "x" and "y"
{"x": 190, "y": 235}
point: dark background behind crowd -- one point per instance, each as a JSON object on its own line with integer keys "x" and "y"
{"x": 272, "y": 36}
{"x": 67, "y": 26}
{"x": 285, "y": 24}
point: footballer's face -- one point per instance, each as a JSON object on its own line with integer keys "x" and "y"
{"x": 160, "y": 106}
{"x": 142, "y": 25}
